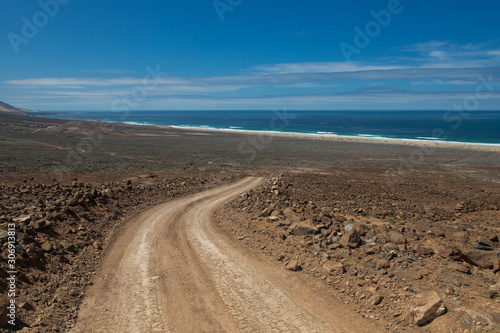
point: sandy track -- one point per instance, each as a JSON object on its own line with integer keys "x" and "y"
{"x": 171, "y": 270}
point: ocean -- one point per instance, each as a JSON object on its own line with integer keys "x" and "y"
{"x": 475, "y": 127}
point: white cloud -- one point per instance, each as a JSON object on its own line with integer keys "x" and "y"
{"x": 317, "y": 67}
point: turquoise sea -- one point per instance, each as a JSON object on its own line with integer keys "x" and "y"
{"x": 476, "y": 127}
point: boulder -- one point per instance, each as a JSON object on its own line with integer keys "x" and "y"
{"x": 47, "y": 247}
{"x": 293, "y": 265}
{"x": 483, "y": 259}
{"x": 351, "y": 238}
{"x": 396, "y": 237}
{"x": 428, "y": 307}
{"x": 266, "y": 212}
{"x": 333, "y": 268}
{"x": 303, "y": 229}
{"x": 377, "y": 299}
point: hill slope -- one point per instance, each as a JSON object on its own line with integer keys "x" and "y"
{"x": 9, "y": 109}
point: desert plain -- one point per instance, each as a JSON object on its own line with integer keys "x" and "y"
{"x": 293, "y": 234}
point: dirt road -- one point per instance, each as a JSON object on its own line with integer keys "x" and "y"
{"x": 172, "y": 270}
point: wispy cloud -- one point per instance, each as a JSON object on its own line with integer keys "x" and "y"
{"x": 109, "y": 71}
{"x": 441, "y": 71}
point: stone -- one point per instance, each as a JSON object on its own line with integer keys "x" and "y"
{"x": 4, "y": 236}
{"x": 428, "y": 307}
{"x": 483, "y": 259}
{"x": 377, "y": 299}
{"x": 383, "y": 263}
{"x": 303, "y": 229}
{"x": 351, "y": 238}
{"x": 455, "y": 266}
{"x": 341, "y": 253}
{"x": 266, "y": 212}
{"x": 26, "y": 306}
{"x": 334, "y": 268}
{"x": 47, "y": 247}
{"x": 494, "y": 292}
{"x": 496, "y": 266}
{"x": 396, "y": 237}
{"x": 276, "y": 212}
{"x": 4, "y": 303}
{"x": 68, "y": 246}
{"x": 38, "y": 225}
{"x": 483, "y": 245}
{"x": 23, "y": 219}
{"x": 293, "y": 265}
{"x": 288, "y": 212}
{"x": 461, "y": 236}
{"x": 493, "y": 238}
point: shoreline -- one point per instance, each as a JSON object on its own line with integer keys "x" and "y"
{"x": 347, "y": 138}
{"x": 493, "y": 147}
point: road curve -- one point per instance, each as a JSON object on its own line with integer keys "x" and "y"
{"x": 171, "y": 270}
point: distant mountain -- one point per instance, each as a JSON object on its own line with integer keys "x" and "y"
{"x": 9, "y": 109}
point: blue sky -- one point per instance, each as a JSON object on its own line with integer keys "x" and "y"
{"x": 256, "y": 55}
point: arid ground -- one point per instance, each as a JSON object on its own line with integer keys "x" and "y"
{"x": 144, "y": 228}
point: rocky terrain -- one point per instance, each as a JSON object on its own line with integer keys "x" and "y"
{"x": 63, "y": 226}
{"x": 414, "y": 254}
{"x": 400, "y": 239}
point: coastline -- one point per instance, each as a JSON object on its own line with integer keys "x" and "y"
{"x": 346, "y": 138}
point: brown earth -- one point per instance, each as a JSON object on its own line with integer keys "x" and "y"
{"x": 374, "y": 228}
{"x": 380, "y": 246}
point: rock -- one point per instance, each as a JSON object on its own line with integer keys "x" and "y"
{"x": 450, "y": 253}
{"x": 496, "y": 266}
{"x": 276, "y": 212}
{"x": 38, "y": 225}
{"x": 47, "y": 247}
{"x": 266, "y": 212}
{"x": 342, "y": 253}
{"x": 461, "y": 236}
{"x": 26, "y": 306}
{"x": 293, "y": 265}
{"x": 479, "y": 258}
{"x": 396, "y": 237}
{"x": 455, "y": 266}
{"x": 383, "y": 263}
{"x": 23, "y": 219}
{"x": 334, "y": 268}
{"x": 351, "y": 238}
{"x": 4, "y": 236}
{"x": 97, "y": 245}
{"x": 483, "y": 245}
{"x": 428, "y": 307}
{"x": 4, "y": 303}
{"x": 493, "y": 238}
{"x": 494, "y": 292}
{"x": 68, "y": 246}
{"x": 303, "y": 229}
{"x": 377, "y": 299}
